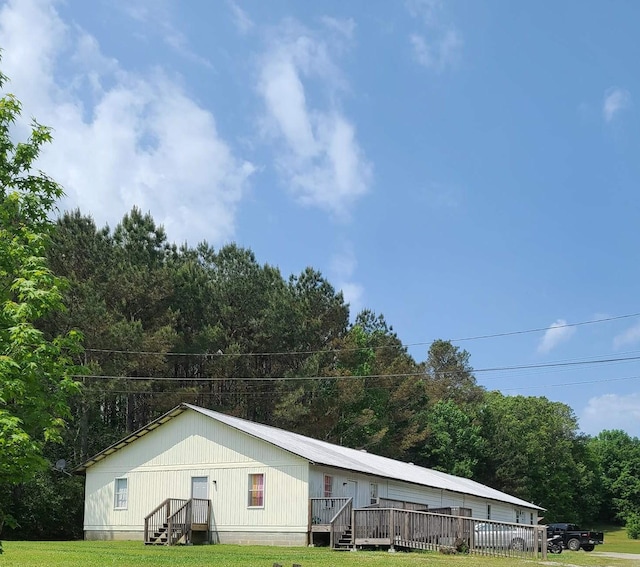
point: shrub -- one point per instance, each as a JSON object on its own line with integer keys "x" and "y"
{"x": 633, "y": 526}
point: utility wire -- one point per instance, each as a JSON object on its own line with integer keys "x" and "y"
{"x": 398, "y": 375}
{"x": 540, "y": 329}
{"x": 579, "y": 383}
{"x": 272, "y": 393}
{"x": 220, "y": 354}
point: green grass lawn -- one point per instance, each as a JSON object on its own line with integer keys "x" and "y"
{"x": 125, "y": 554}
{"x": 615, "y": 539}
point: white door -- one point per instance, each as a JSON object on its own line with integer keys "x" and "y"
{"x": 352, "y": 491}
{"x": 200, "y": 491}
{"x": 200, "y": 487}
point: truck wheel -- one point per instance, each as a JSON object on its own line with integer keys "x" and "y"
{"x": 517, "y": 544}
{"x": 588, "y": 547}
{"x": 574, "y": 544}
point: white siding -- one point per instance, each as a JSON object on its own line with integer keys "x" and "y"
{"x": 407, "y": 492}
{"x": 160, "y": 465}
{"x": 343, "y": 483}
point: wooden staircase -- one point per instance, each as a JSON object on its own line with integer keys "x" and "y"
{"x": 174, "y": 521}
{"x": 161, "y": 536}
{"x": 345, "y": 541}
{"x": 340, "y": 527}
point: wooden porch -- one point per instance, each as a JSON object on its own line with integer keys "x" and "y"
{"x": 408, "y": 525}
{"x": 176, "y": 520}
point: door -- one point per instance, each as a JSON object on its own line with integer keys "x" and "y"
{"x": 352, "y": 491}
{"x": 200, "y": 494}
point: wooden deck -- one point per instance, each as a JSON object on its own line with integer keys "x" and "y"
{"x": 409, "y": 526}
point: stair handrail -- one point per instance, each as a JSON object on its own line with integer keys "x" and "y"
{"x": 154, "y": 512}
{"x": 158, "y": 516}
{"x": 344, "y": 517}
{"x": 183, "y": 517}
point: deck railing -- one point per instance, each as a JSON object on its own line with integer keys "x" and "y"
{"x": 425, "y": 530}
{"x": 322, "y": 510}
{"x": 341, "y": 523}
{"x": 176, "y": 518}
{"x": 401, "y": 504}
{"x": 154, "y": 522}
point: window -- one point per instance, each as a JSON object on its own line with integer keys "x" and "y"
{"x": 488, "y": 511}
{"x": 328, "y": 486}
{"x": 256, "y": 490}
{"x": 531, "y": 520}
{"x": 121, "y": 493}
{"x": 373, "y": 493}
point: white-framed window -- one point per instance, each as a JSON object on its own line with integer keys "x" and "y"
{"x": 531, "y": 519}
{"x": 121, "y": 494}
{"x": 488, "y": 511}
{"x": 328, "y": 486}
{"x": 256, "y": 490}
{"x": 373, "y": 493}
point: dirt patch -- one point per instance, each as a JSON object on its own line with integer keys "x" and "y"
{"x": 616, "y": 555}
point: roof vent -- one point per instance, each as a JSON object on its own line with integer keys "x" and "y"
{"x": 363, "y": 450}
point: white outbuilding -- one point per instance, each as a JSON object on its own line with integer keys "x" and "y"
{"x": 198, "y": 474}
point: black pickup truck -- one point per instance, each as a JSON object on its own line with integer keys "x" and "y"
{"x": 575, "y": 538}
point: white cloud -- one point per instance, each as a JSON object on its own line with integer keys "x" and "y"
{"x": 321, "y": 161}
{"x": 440, "y": 46}
{"x": 244, "y": 24}
{"x": 343, "y": 267}
{"x": 157, "y": 17}
{"x": 556, "y": 334}
{"x": 426, "y": 10}
{"x": 615, "y": 101}
{"x": 629, "y": 337}
{"x": 345, "y": 27}
{"x": 612, "y": 411}
{"x": 440, "y": 53}
{"x": 120, "y": 139}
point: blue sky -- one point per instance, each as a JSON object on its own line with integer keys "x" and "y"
{"x": 464, "y": 168}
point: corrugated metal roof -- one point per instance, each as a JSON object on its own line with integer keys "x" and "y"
{"x": 323, "y": 453}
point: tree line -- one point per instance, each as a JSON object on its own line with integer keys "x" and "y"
{"x": 103, "y": 330}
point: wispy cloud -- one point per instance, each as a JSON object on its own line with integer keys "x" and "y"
{"x": 556, "y": 334}
{"x": 343, "y": 267}
{"x": 157, "y": 17}
{"x": 438, "y": 54}
{"x": 615, "y": 101}
{"x": 629, "y": 337}
{"x": 244, "y": 24}
{"x": 344, "y": 27}
{"x": 612, "y": 411}
{"x": 319, "y": 156}
{"x": 439, "y": 46}
{"x": 120, "y": 139}
{"x": 426, "y": 10}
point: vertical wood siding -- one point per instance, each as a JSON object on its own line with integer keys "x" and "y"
{"x": 403, "y": 491}
{"x": 160, "y": 465}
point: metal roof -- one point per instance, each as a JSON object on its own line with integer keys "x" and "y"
{"x": 323, "y": 453}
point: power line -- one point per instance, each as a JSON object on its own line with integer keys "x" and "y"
{"x": 540, "y": 329}
{"x": 241, "y": 378}
{"x": 565, "y": 384}
{"x": 272, "y": 393}
{"x": 383, "y": 375}
{"x": 220, "y": 354}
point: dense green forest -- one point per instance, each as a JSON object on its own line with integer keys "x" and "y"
{"x": 104, "y": 330}
{"x": 163, "y": 324}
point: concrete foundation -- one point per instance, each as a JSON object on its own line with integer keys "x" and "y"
{"x": 281, "y": 539}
